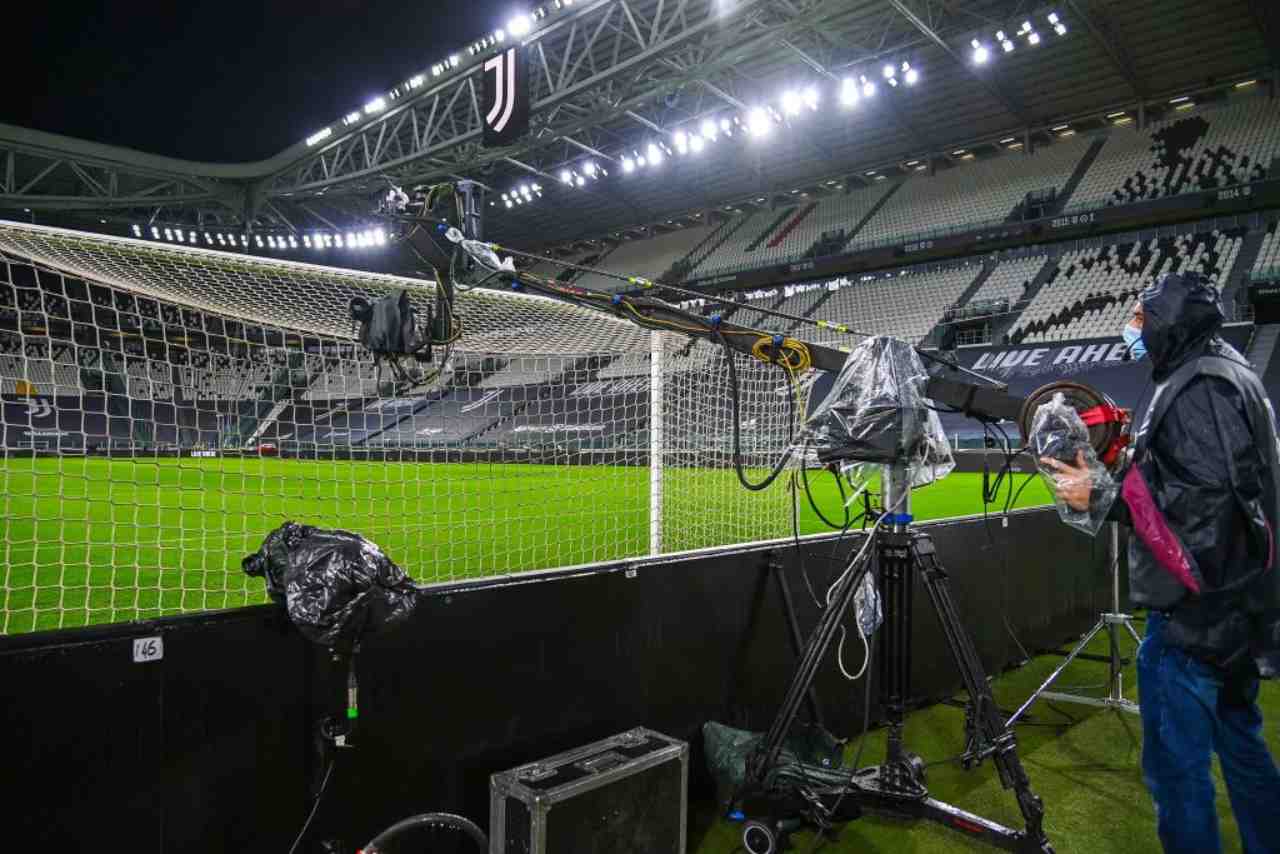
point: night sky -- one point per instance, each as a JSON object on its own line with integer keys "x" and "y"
{"x": 222, "y": 82}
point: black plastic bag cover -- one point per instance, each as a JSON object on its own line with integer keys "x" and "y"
{"x": 336, "y": 586}
{"x": 728, "y": 751}
{"x": 389, "y": 326}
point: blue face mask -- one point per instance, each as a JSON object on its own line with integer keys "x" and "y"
{"x": 1133, "y": 337}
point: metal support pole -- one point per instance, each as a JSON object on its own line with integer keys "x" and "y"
{"x": 655, "y": 442}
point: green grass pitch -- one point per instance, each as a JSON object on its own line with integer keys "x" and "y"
{"x": 90, "y": 540}
{"x": 93, "y": 540}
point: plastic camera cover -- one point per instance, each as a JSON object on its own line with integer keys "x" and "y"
{"x": 483, "y": 253}
{"x": 876, "y": 413}
{"x": 1058, "y": 433}
{"x": 336, "y": 586}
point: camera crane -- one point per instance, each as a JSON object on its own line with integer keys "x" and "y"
{"x": 779, "y": 796}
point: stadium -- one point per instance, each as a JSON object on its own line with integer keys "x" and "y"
{"x": 665, "y": 227}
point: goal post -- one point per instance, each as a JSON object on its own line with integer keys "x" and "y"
{"x": 164, "y": 408}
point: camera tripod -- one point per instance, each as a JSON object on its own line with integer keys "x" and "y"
{"x": 779, "y": 798}
{"x": 1110, "y": 622}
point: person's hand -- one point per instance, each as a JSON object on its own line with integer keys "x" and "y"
{"x": 1073, "y": 484}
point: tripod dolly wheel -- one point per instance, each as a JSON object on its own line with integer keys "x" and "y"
{"x": 759, "y": 838}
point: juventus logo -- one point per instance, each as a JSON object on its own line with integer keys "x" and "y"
{"x": 506, "y": 97}
{"x": 39, "y": 409}
{"x": 504, "y": 104}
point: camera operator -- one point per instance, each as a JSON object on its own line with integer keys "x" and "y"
{"x": 1205, "y": 460}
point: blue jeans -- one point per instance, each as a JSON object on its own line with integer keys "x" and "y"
{"x": 1190, "y": 710}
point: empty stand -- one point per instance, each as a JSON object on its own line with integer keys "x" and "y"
{"x": 1267, "y": 264}
{"x": 1204, "y": 150}
{"x": 649, "y": 257}
{"x": 906, "y": 305}
{"x": 730, "y": 252}
{"x": 1010, "y": 280}
{"x": 1092, "y": 291}
{"x": 969, "y": 195}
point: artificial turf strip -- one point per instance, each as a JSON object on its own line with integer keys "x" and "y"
{"x": 90, "y": 540}
{"x": 1087, "y": 773}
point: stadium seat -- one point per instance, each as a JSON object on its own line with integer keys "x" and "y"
{"x": 970, "y": 194}
{"x": 906, "y": 304}
{"x": 1091, "y": 292}
{"x": 648, "y": 257}
{"x": 1203, "y": 149}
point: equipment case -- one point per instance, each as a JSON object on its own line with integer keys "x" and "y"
{"x": 622, "y": 795}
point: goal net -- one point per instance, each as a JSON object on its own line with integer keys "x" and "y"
{"x": 164, "y": 407}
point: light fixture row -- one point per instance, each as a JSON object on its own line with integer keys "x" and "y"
{"x": 314, "y": 240}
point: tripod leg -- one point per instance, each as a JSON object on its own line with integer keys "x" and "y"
{"x": 996, "y": 735}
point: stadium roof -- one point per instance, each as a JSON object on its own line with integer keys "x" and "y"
{"x": 613, "y": 77}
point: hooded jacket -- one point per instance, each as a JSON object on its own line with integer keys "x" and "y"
{"x": 1208, "y": 453}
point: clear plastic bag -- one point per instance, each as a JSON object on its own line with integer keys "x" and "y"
{"x": 1060, "y": 436}
{"x": 483, "y": 253}
{"x": 876, "y": 413}
{"x": 866, "y": 606}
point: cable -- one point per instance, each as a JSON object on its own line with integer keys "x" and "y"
{"x": 804, "y": 476}
{"x": 324, "y": 784}
{"x": 734, "y": 394}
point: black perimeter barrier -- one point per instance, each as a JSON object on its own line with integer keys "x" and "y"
{"x": 214, "y": 747}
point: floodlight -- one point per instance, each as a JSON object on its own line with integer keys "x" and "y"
{"x": 811, "y": 97}
{"x": 168, "y": 234}
{"x": 628, "y": 165}
{"x": 868, "y": 89}
{"x": 849, "y": 92}
{"x": 655, "y": 154}
{"x": 537, "y": 188}
{"x": 207, "y": 238}
{"x": 581, "y": 180}
{"x": 222, "y": 240}
{"x": 1033, "y": 38}
{"x": 271, "y": 241}
{"x": 1000, "y": 35}
{"x": 726, "y": 126}
{"x": 758, "y": 122}
{"x": 519, "y": 25}
{"x": 137, "y": 230}
{"x": 682, "y": 141}
{"x": 980, "y": 53}
{"x": 501, "y": 35}
{"x": 708, "y": 129}
{"x": 178, "y": 235}
{"x": 912, "y": 77}
{"x": 293, "y": 242}
{"x": 1053, "y": 17}
{"x": 509, "y": 204}
{"x": 589, "y": 168}
{"x": 1007, "y": 45}
{"x": 244, "y": 240}
{"x": 374, "y": 106}
{"x": 1026, "y": 27}
{"x": 889, "y": 71}
{"x": 790, "y": 102}
{"x": 337, "y": 240}
{"x": 351, "y": 240}
{"x": 566, "y": 177}
{"x": 257, "y": 238}
{"x": 306, "y": 240}
{"x": 1060, "y": 29}
{"x": 696, "y": 143}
